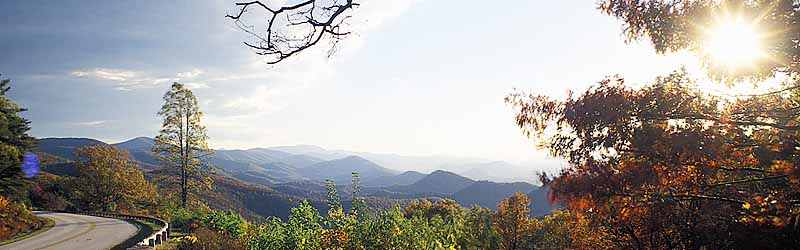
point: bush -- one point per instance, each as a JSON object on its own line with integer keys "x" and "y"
{"x": 209, "y": 239}
{"x": 227, "y": 222}
{"x": 183, "y": 218}
{"x": 15, "y": 219}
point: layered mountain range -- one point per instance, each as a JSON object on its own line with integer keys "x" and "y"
{"x": 300, "y": 172}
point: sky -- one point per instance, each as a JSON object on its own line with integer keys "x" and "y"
{"x": 420, "y": 77}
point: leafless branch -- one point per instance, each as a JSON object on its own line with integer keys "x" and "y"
{"x": 318, "y": 20}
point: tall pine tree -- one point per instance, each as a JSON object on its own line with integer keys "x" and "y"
{"x": 14, "y": 140}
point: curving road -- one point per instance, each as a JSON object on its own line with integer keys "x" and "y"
{"x": 72, "y": 231}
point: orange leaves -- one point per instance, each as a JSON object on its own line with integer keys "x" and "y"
{"x": 335, "y": 238}
{"x": 3, "y": 203}
{"x": 765, "y": 211}
{"x": 668, "y": 160}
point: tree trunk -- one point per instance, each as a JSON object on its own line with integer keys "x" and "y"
{"x": 183, "y": 187}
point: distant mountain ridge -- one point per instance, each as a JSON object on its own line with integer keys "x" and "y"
{"x": 340, "y": 170}
{"x": 477, "y": 169}
{"x": 64, "y": 147}
{"x": 138, "y": 143}
{"x": 303, "y": 156}
{"x": 488, "y": 194}
{"x": 286, "y": 171}
{"x": 440, "y": 181}
{"x": 405, "y": 178}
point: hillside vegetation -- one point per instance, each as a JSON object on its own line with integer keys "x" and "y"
{"x": 261, "y": 183}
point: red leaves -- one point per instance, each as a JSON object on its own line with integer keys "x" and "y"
{"x": 667, "y": 160}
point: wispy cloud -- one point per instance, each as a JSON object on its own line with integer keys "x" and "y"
{"x": 123, "y": 80}
{"x": 88, "y": 123}
{"x": 129, "y": 80}
{"x": 191, "y": 74}
{"x": 196, "y": 85}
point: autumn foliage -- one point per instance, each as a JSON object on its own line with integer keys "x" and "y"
{"x": 108, "y": 180}
{"x": 666, "y": 166}
{"x": 16, "y": 219}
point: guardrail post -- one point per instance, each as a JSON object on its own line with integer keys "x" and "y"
{"x": 156, "y": 238}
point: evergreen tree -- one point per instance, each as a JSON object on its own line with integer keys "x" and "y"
{"x": 334, "y": 200}
{"x": 181, "y": 143}
{"x": 14, "y": 140}
{"x": 359, "y": 204}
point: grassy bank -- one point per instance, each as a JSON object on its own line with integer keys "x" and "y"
{"x": 48, "y": 223}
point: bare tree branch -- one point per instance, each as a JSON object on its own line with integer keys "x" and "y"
{"x": 317, "y": 20}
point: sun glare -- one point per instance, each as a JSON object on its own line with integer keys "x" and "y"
{"x": 734, "y": 43}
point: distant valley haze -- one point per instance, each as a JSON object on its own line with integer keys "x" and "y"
{"x": 303, "y": 156}
{"x": 287, "y": 173}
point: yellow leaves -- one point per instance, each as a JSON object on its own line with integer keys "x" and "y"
{"x": 108, "y": 180}
{"x": 777, "y": 221}
{"x": 189, "y": 239}
{"x": 397, "y": 230}
{"x": 334, "y": 238}
{"x": 3, "y": 203}
{"x": 746, "y": 205}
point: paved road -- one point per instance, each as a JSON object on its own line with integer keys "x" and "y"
{"x": 72, "y": 231}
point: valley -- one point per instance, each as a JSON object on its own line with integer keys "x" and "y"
{"x": 265, "y": 182}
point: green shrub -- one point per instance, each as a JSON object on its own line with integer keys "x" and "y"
{"x": 227, "y": 222}
{"x": 182, "y": 218}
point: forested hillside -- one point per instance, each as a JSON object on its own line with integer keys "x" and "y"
{"x": 274, "y": 186}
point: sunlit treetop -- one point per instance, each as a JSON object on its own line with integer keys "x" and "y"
{"x": 736, "y": 40}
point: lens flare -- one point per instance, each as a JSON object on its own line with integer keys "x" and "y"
{"x": 30, "y": 165}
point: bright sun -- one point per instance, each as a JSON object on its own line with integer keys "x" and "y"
{"x": 734, "y": 43}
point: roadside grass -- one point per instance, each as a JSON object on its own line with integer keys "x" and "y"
{"x": 48, "y": 224}
{"x": 172, "y": 242}
{"x": 145, "y": 230}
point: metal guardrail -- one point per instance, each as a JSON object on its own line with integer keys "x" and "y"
{"x": 156, "y": 238}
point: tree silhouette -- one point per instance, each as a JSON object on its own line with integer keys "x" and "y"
{"x": 293, "y": 28}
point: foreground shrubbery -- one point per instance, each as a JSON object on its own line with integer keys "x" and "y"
{"x": 420, "y": 225}
{"x": 16, "y": 219}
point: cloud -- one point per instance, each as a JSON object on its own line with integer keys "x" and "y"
{"x": 106, "y": 74}
{"x": 374, "y": 14}
{"x": 191, "y": 74}
{"x": 256, "y": 91}
{"x": 236, "y": 95}
{"x": 262, "y": 100}
{"x": 196, "y": 85}
{"x": 123, "y": 80}
{"x": 129, "y": 80}
{"x": 88, "y": 123}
